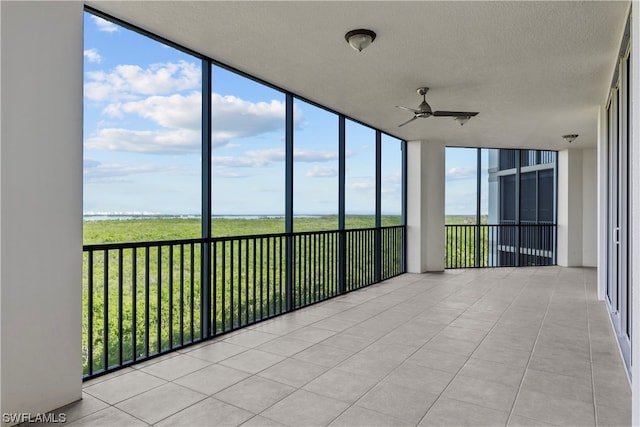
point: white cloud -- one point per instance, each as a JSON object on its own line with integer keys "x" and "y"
{"x": 97, "y": 172}
{"x": 262, "y": 158}
{"x": 314, "y": 155}
{"x": 319, "y": 171}
{"x": 228, "y": 174}
{"x": 309, "y": 156}
{"x": 361, "y": 186}
{"x": 268, "y": 155}
{"x": 391, "y": 184}
{"x": 92, "y": 55}
{"x": 457, "y": 173}
{"x": 146, "y": 141}
{"x": 238, "y": 162}
{"x": 129, "y": 82}
{"x": 104, "y": 25}
{"x": 175, "y": 111}
{"x": 156, "y": 93}
{"x": 234, "y": 117}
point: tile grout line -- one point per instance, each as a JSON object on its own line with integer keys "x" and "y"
{"x": 418, "y": 349}
{"x": 469, "y": 357}
{"x": 526, "y": 369}
{"x": 593, "y": 383}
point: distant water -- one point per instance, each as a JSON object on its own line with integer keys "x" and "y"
{"x": 100, "y": 217}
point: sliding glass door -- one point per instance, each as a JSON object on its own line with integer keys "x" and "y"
{"x": 618, "y": 290}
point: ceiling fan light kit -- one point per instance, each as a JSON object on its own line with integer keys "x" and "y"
{"x": 424, "y": 111}
{"x": 462, "y": 119}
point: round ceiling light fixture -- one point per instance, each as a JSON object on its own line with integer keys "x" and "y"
{"x": 570, "y": 137}
{"x": 360, "y": 39}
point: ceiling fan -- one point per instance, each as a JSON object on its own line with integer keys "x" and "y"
{"x": 424, "y": 111}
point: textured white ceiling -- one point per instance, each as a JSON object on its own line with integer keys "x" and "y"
{"x": 533, "y": 70}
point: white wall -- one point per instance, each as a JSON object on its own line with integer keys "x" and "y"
{"x": 425, "y": 206}
{"x": 40, "y": 205}
{"x": 589, "y": 208}
{"x": 570, "y": 192}
{"x": 577, "y": 207}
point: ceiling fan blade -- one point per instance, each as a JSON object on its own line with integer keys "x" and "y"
{"x": 408, "y": 121}
{"x": 407, "y": 108}
{"x": 453, "y": 113}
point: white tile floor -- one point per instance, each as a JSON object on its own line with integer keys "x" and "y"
{"x": 528, "y": 346}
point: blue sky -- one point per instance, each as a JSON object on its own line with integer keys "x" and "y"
{"x": 461, "y": 181}
{"x": 142, "y": 116}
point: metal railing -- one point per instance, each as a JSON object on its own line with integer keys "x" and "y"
{"x": 504, "y": 245}
{"x": 144, "y": 299}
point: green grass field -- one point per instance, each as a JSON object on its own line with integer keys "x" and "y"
{"x": 157, "y": 229}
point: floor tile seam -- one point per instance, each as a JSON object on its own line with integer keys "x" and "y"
{"x": 355, "y": 403}
{"x": 90, "y": 413}
{"x": 390, "y": 331}
{"x": 261, "y": 413}
{"x": 593, "y": 382}
{"x": 296, "y": 388}
{"x": 368, "y": 409}
{"x": 134, "y": 395}
{"x": 539, "y": 422}
{"x": 106, "y": 377}
{"x": 474, "y": 404}
{"x": 484, "y": 338}
{"x": 524, "y": 373}
{"x": 114, "y": 407}
{"x": 352, "y": 404}
{"x": 469, "y": 357}
{"x": 170, "y": 415}
{"x": 213, "y": 395}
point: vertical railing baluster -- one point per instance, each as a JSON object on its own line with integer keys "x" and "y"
{"x": 214, "y": 286}
{"x": 182, "y": 294}
{"x": 281, "y": 271}
{"x": 223, "y": 282}
{"x": 105, "y": 312}
{"x": 159, "y": 298}
{"x": 192, "y": 280}
{"x": 232, "y": 284}
{"x": 146, "y": 301}
{"x": 268, "y": 272}
{"x": 255, "y": 270}
{"x": 90, "y": 314}
{"x": 246, "y": 281}
{"x": 134, "y": 304}
{"x": 262, "y": 278}
{"x": 120, "y": 295}
{"x": 170, "y": 297}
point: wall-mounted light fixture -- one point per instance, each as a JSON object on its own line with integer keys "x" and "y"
{"x": 570, "y": 137}
{"x": 360, "y": 39}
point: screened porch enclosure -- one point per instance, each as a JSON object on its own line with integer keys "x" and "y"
{"x": 320, "y": 197}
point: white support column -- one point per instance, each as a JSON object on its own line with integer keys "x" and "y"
{"x": 589, "y": 207}
{"x": 40, "y": 205}
{"x": 425, "y": 206}
{"x": 635, "y": 213}
{"x": 570, "y": 174}
{"x": 602, "y": 202}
